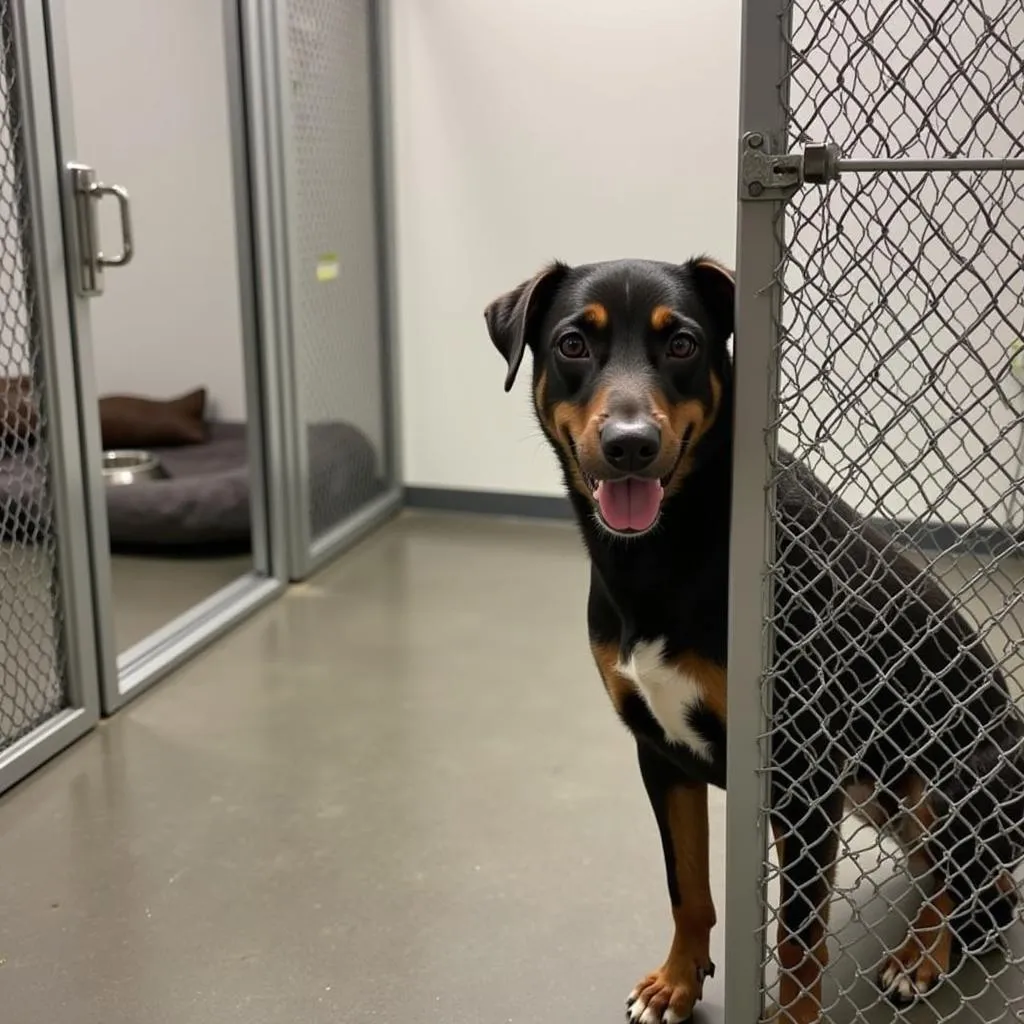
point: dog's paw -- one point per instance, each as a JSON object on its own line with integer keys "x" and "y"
{"x": 668, "y": 995}
{"x": 908, "y": 974}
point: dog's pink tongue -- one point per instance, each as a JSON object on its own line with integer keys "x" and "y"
{"x": 629, "y": 504}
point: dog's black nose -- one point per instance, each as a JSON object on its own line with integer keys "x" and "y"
{"x": 630, "y": 445}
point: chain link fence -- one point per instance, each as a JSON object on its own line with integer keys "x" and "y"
{"x": 32, "y": 665}
{"x": 338, "y": 339}
{"x": 896, "y": 625}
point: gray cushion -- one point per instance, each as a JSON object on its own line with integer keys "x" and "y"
{"x": 205, "y": 499}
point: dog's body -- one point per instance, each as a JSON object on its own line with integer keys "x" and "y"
{"x": 883, "y": 694}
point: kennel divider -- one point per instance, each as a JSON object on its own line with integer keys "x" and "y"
{"x": 329, "y": 159}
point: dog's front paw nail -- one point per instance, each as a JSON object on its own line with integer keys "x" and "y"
{"x": 905, "y": 977}
{"x": 641, "y": 1013}
{"x": 635, "y": 1008}
{"x": 668, "y": 995}
{"x": 703, "y": 973}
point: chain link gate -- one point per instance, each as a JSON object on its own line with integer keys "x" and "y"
{"x": 32, "y": 662}
{"x": 49, "y": 690}
{"x": 881, "y": 297}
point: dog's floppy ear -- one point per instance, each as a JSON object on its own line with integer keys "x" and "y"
{"x": 511, "y": 317}
{"x": 717, "y": 286}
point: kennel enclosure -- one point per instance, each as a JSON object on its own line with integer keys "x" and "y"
{"x": 880, "y": 276}
{"x": 312, "y": 467}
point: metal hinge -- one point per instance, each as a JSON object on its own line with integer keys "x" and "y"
{"x": 769, "y": 176}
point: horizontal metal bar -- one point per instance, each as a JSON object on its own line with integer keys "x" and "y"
{"x": 844, "y": 166}
{"x": 44, "y": 742}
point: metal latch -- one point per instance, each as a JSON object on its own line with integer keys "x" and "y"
{"x": 89, "y": 259}
{"x": 770, "y": 176}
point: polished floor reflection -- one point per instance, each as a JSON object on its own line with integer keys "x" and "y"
{"x": 396, "y": 794}
{"x": 149, "y": 592}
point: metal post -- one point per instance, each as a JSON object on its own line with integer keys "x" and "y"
{"x": 762, "y": 109}
{"x": 282, "y": 192}
{"x": 258, "y": 131}
{"x": 383, "y": 106}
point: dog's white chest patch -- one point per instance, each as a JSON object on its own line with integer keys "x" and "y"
{"x": 670, "y": 694}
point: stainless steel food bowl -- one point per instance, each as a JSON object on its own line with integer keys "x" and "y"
{"x": 129, "y": 467}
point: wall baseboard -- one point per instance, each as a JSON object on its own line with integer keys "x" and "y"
{"x": 489, "y": 503}
{"x": 990, "y": 541}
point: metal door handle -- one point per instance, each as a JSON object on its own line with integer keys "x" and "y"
{"x": 120, "y": 193}
{"x": 87, "y": 191}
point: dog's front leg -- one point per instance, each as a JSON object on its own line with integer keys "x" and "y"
{"x": 667, "y": 995}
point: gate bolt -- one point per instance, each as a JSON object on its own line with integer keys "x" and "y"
{"x": 820, "y": 163}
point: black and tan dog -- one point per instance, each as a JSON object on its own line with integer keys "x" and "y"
{"x": 883, "y": 695}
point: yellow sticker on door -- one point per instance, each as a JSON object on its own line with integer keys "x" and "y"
{"x": 327, "y": 267}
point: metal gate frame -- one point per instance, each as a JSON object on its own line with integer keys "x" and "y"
{"x": 768, "y": 175}
{"x": 268, "y": 31}
{"x": 762, "y": 69}
{"x": 68, "y": 478}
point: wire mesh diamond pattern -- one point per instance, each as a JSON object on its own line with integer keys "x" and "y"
{"x": 894, "y": 680}
{"x": 31, "y": 653}
{"x": 334, "y": 246}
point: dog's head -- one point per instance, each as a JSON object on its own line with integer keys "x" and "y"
{"x": 630, "y": 368}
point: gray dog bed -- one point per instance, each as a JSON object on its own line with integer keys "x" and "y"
{"x": 204, "y": 501}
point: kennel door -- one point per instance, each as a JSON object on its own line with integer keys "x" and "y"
{"x": 336, "y": 376}
{"x": 49, "y": 667}
{"x": 879, "y": 337}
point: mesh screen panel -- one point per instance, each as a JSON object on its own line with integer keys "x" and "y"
{"x": 335, "y": 286}
{"x": 896, "y": 665}
{"x": 31, "y": 655}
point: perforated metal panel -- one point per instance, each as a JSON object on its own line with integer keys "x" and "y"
{"x": 32, "y": 661}
{"x": 893, "y": 682}
{"x": 334, "y": 268}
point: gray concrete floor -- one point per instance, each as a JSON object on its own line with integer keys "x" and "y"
{"x": 149, "y": 592}
{"x": 396, "y": 794}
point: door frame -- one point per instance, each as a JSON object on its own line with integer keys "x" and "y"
{"x": 126, "y": 674}
{"x": 68, "y": 476}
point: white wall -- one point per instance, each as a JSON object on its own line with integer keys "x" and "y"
{"x": 150, "y": 103}
{"x": 590, "y": 129}
{"x": 526, "y": 130}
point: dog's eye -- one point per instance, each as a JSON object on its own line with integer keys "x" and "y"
{"x": 572, "y": 346}
{"x": 682, "y": 345}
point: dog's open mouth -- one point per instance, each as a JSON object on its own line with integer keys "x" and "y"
{"x": 632, "y": 504}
